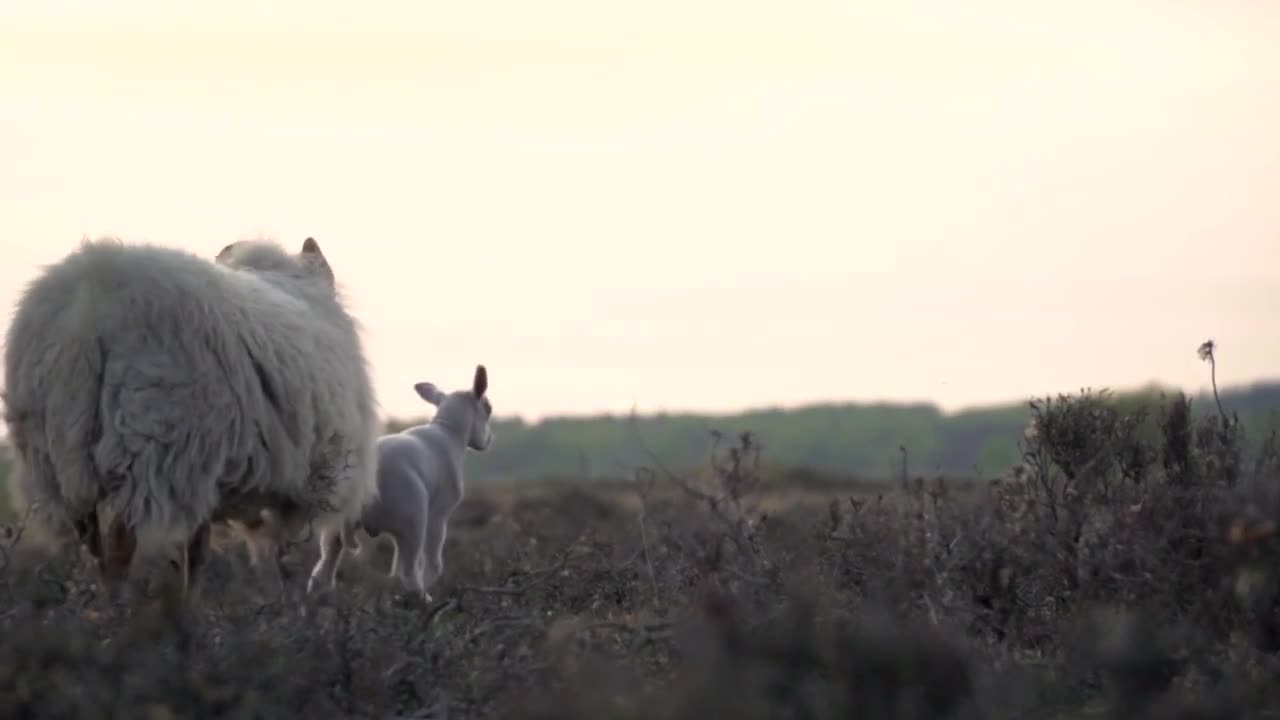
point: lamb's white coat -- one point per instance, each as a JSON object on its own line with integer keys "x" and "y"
{"x": 420, "y": 483}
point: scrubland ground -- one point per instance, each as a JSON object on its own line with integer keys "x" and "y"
{"x": 1127, "y": 570}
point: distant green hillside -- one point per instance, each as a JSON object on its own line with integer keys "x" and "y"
{"x": 851, "y": 439}
{"x": 859, "y": 440}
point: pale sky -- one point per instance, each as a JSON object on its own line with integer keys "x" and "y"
{"x": 689, "y": 204}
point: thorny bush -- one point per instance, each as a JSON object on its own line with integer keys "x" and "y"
{"x": 1127, "y": 566}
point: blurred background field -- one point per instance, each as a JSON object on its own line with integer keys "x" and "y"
{"x": 827, "y": 448}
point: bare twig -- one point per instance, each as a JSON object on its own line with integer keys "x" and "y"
{"x": 642, "y": 491}
{"x": 1206, "y": 353}
{"x": 511, "y": 621}
{"x": 726, "y": 507}
{"x": 439, "y": 609}
{"x": 538, "y": 577}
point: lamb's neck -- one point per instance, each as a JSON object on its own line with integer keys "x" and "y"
{"x": 450, "y": 483}
{"x": 457, "y": 438}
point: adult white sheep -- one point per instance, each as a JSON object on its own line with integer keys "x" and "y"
{"x": 150, "y": 392}
{"x": 420, "y": 483}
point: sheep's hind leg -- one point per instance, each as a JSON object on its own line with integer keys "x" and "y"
{"x": 281, "y": 570}
{"x": 194, "y": 556}
{"x": 350, "y": 542}
{"x": 90, "y": 534}
{"x": 330, "y": 555}
{"x": 268, "y": 542}
{"x": 118, "y": 547}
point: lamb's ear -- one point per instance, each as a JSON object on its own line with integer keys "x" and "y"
{"x": 224, "y": 253}
{"x": 481, "y": 382}
{"x": 429, "y": 392}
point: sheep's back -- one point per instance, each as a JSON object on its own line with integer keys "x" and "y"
{"x": 165, "y": 381}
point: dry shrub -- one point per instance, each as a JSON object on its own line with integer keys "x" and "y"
{"x": 1127, "y": 566}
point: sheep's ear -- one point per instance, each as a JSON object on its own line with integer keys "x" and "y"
{"x": 311, "y": 254}
{"x": 429, "y": 392}
{"x": 481, "y": 383}
{"x": 311, "y": 247}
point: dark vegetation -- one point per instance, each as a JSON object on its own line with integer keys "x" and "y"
{"x": 1126, "y": 569}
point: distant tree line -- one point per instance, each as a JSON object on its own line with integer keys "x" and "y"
{"x": 859, "y": 440}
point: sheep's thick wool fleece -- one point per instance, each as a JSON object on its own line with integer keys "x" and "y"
{"x": 160, "y": 384}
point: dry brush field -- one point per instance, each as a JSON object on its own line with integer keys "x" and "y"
{"x": 1126, "y": 570}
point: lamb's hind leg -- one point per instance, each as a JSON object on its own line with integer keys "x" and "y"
{"x": 433, "y": 548}
{"x": 394, "y": 570}
{"x": 409, "y": 558}
{"x": 420, "y": 578}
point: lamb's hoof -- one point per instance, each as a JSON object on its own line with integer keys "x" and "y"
{"x": 426, "y": 597}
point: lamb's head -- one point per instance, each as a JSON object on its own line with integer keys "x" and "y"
{"x": 260, "y": 256}
{"x": 463, "y": 411}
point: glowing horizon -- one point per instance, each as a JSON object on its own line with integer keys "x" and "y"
{"x": 696, "y": 207}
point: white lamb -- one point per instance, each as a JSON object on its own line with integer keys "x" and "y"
{"x": 420, "y": 483}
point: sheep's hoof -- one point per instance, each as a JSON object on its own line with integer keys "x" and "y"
{"x": 426, "y": 596}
